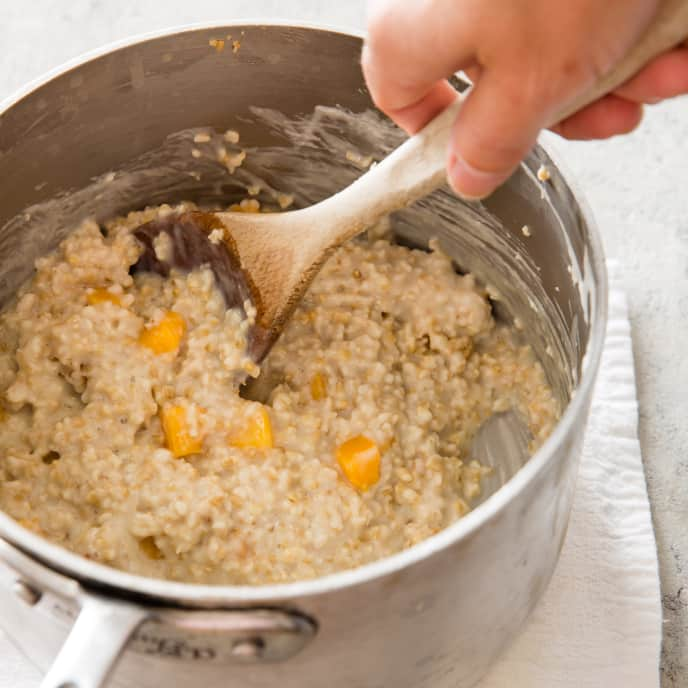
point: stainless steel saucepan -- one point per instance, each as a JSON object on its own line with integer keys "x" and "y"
{"x": 113, "y": 132}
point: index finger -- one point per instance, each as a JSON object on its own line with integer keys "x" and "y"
{"x": 410, "y": 49}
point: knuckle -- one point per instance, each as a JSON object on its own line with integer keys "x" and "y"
{"x": 380, "y": 61}
{"x": 378, "y": 56}
{"x": 525, "y": 96}
{"x": 379, "y": 89}
{"x": 491, "y": 153}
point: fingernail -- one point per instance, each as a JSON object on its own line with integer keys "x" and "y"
{"x": 470, "y": 183}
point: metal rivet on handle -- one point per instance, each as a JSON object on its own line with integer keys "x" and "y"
{"x": 250, "y": 648}
{"x": 26, "y": 593}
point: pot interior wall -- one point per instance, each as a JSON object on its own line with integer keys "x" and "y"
{"x": 117, "y": 133}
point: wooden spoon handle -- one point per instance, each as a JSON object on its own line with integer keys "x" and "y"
{"x": 411, "y": 171}
{"x": 668, "y": 29}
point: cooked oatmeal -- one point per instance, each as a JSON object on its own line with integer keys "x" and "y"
{"x": 123, "y": 436}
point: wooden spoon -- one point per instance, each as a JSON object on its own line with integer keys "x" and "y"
{"x": 270, "y": 259}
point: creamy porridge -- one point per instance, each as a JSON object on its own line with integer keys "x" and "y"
{"x": 123, "y": 436}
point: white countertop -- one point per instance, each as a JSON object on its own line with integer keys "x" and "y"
{"x": 636, "y": 186}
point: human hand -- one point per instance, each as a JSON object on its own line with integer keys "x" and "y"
{"x": 527, "y": 60}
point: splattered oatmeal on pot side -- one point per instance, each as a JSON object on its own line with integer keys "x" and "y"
{"x": 123, "y": 436}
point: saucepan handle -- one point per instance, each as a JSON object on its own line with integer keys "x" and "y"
{"x": 93, "y": 645}
{"x": 104, "y": 626}
{"x": 101, "y": 630}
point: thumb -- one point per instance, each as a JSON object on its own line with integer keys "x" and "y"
{"x": 495, "y": 129}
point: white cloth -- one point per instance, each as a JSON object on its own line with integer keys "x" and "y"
{"x": 599, "y": 624}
